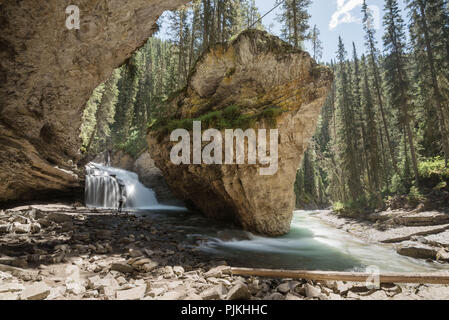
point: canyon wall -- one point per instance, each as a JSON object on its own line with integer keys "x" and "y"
{"x": 47, "y": 74}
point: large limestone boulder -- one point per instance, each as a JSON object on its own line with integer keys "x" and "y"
{"x": 47, "y": 74}
{"x": 263, "y": 83}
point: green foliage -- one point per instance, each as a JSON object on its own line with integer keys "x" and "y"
{"x": 338, "y": 207}
{"x": 415, "y": 196}
{"x": 230, "y": 117}
{"x": 433, "y": 167}
{"x": 397, "y": 186}
{"x": 433, "y": 173}
{"x": 270, "y": 115}
{"x": 134, "y": 144}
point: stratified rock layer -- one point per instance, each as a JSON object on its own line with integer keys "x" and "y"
{"x": 256, "y": 71}
{"x": 47, "y": 74}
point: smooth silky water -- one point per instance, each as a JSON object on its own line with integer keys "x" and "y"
{"x": 310, "y": 245}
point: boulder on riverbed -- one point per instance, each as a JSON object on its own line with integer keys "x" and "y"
{"x": 417, "y": 250}
{"x": 256, "y": 81}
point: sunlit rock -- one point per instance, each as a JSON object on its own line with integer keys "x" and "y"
{"x": 256, "y": 81}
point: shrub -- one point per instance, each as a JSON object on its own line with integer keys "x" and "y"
{"x": 433, "y": 173}
{"x": 415, "y": 196}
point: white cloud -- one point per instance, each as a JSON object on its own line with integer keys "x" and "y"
{"x": 343, "y": 13}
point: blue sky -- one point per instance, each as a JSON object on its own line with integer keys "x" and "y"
{"x": 333, "y": 18}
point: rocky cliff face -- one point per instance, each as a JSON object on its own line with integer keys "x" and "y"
{"x": 256, "y": 81}
{"x": 47, "y": 74}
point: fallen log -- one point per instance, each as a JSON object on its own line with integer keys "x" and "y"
{"x": 420, "y": 278}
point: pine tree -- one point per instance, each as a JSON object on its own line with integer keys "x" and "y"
{"x": 180, "y": 33}
{"x": 427, "y": 30}
{"x": 100, "y": 138}
{"x": 317, "y": 45}
{"x": 371, "y": 45}
{"x": 396, "y": 74}
{"x": 371, "y": 141}
{"x": 295, "y": 20}
{"x": 347, "y": 138}
{"x": 127, "y": 87}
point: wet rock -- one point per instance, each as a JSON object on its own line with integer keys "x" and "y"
{"x": 239, "y": 292}
{"x": 36, "y": 291}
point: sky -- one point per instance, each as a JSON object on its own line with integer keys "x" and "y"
{"x": 334, "y": 18}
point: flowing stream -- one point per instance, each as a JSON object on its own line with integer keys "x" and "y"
{"x": 310, "y": 245}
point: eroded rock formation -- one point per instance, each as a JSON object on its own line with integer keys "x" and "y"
{"x": 268, "y": 81}
{"x": 47, "y": 74}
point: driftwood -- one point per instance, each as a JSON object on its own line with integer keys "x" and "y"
{"x": 421, "y": 278}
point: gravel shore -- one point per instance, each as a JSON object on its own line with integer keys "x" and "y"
{"x": 60, "y": 252}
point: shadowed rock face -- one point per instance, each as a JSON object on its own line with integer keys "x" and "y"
{"x": 47, "y": 74}
{"x": 254, "y": 72}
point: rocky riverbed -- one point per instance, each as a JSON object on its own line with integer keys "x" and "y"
{"x": 64, "y": 252}
{"x": 417, "y": 234}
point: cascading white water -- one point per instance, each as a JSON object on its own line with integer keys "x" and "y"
{"x": 103, "y": 190}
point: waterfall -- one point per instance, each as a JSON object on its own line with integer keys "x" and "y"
{"x": 104, "y": 184}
